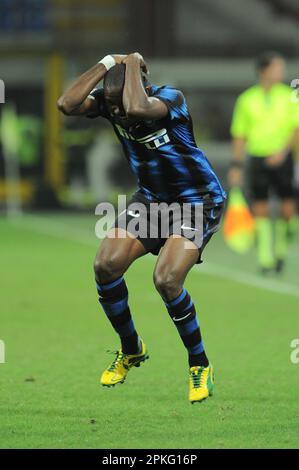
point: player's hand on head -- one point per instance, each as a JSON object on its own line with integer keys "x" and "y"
{"x": 137, "y": 56}
{"x": 119, "y": 58}
{"x": 143, "y": 64}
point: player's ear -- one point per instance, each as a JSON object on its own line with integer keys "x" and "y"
{"x": 145, "y": 82}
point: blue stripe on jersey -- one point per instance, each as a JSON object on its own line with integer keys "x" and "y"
{"x": 163, "y": 154}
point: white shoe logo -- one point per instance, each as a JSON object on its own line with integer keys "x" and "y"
{"x": 189, "y": 228}
{"x": 134, "y": 214}
{"x": 182, "y": 318}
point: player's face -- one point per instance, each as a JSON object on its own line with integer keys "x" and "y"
{"x": 114, "y": 105}
{"x": 275, "y": 72}
{"x": 116, "y": 110}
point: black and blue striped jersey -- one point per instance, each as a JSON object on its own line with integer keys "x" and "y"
{"x": 163, "y": 153}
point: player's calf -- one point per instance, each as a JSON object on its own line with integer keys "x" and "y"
{"x": 113, "y": 297}
{"x": 183, "y": 314}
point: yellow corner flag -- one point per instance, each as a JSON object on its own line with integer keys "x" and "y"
{"x": 238, "y": 223}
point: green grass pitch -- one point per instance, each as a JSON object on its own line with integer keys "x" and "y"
{"x": 56, "y": 337}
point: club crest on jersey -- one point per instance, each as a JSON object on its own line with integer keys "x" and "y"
{"x": 151, "y": 141}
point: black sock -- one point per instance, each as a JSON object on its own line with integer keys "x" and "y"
{"x": 114, "y": 299}
{"x": 183, "y": 314}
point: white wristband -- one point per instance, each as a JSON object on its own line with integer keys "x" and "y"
{"x": 108, "y": 61}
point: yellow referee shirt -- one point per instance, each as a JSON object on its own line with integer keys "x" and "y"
{"x": 266, "y": 119}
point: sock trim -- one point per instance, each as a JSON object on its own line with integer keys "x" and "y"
{"x": 177, "y": 300}
{"x": 110, "y": 285}
{"x": 117, "y": 308}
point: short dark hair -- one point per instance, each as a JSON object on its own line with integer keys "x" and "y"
{"x": 266, "y": 59}
{"x": 114, "y": 79}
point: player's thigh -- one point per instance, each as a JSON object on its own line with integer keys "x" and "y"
{"x": 260, "y": 208}
{"x": 288, "y": 208}
{"x": 116, "y": 253}
{"x": 174, "y": 262}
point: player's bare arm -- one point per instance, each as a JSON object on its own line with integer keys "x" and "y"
{"x": 75, "y": 101}
{"x": 135, "y": 100}
{"x": 279, "y": 157}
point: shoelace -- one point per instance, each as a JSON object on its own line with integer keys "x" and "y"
{"x": 196, "y": 377}
{"x": 119, "y": 357}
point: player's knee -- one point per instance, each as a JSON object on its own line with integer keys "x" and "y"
{"x": 260, "y": 209}
{"x": 167, "y": 284}
{"x": 288, "y": 209}
{"x": 107, "y": 268}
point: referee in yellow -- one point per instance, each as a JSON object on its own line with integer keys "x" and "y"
{"x": 265, "y": 127}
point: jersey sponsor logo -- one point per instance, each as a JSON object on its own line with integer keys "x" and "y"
{"x": 151, "y": 141}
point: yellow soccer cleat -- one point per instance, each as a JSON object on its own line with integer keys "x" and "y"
{"x": 117, "y": 372}
{"x": 201, "y": 383}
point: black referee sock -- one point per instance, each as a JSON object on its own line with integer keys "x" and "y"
{"x": 183, "y": 314}
{"x": 114, "y": 299}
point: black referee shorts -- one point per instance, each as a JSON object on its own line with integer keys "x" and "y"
{"x": 195, "y": 224}
{"x": 263, "y": 179}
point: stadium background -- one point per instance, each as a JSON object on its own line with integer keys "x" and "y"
{"x": 54, "y": 333}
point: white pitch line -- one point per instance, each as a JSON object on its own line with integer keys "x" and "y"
{"x": 252, "y": 280}
{"x": 63, "y": 231}
{"x": 56, "y": 229}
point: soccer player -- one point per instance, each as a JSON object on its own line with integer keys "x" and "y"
{"x": 154, "y": 127}
{"x": 265, "y": 126}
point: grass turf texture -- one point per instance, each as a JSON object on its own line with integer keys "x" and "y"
{"x": 56, "y": 338}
